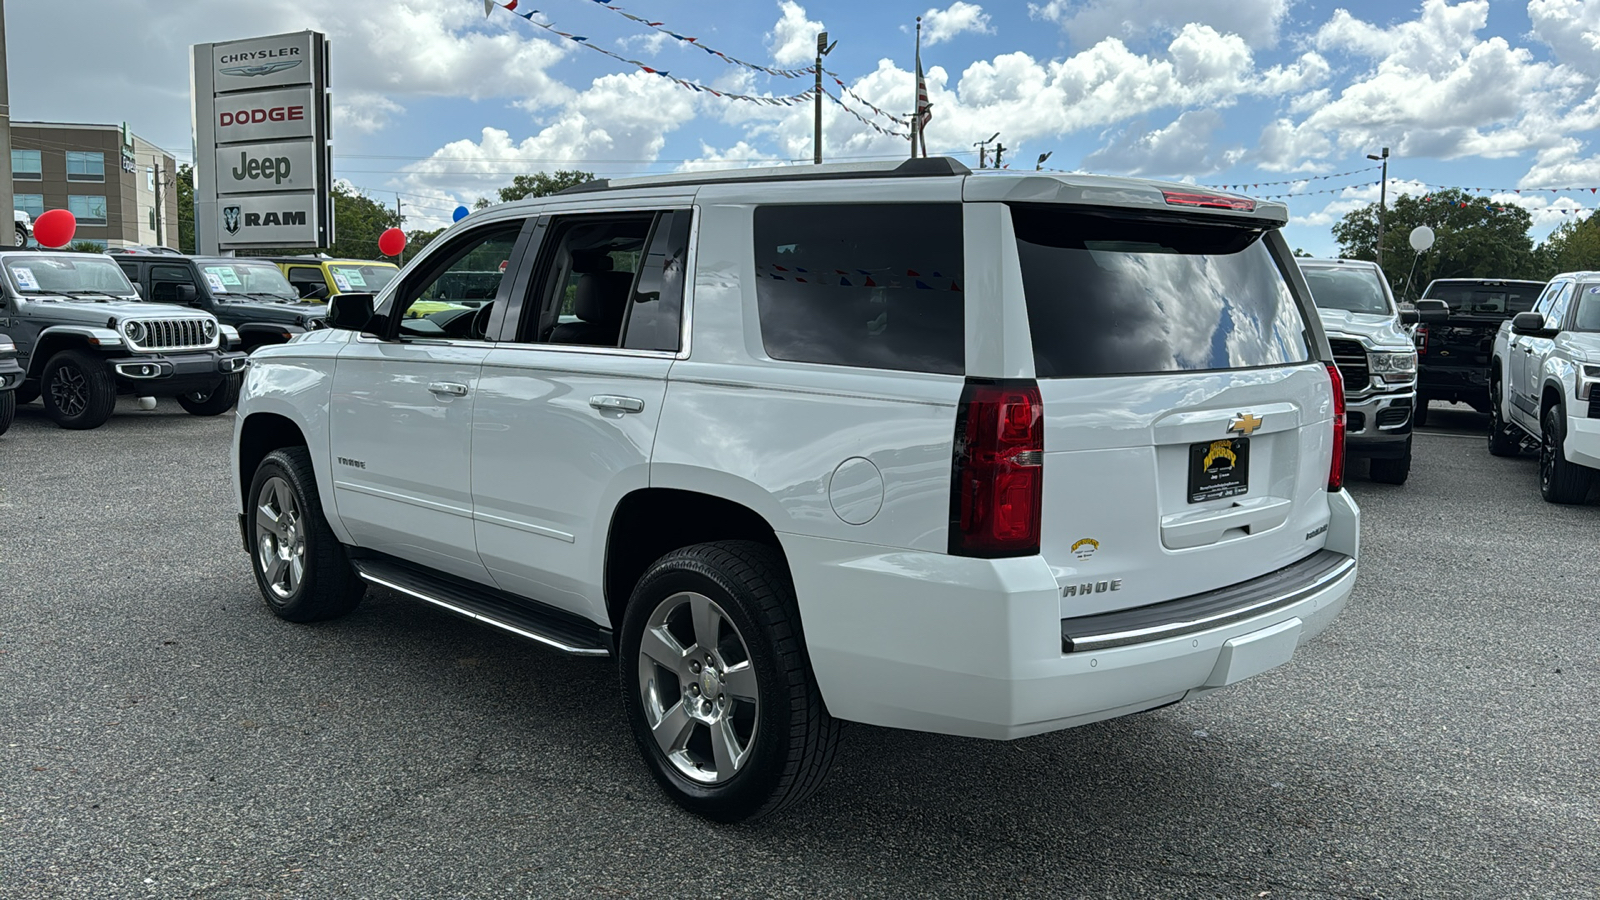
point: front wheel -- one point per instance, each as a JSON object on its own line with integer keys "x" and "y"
{"x": 8, "y": 409}
{"x": 78, "y": 391}
{"x": 1419, "y": 417}
{"x": 717, "y": 684}
{"x": 1501, "y": 441}
{"x": 214, "y": 402}
{"x": 1393, "y": 471}
{"x": 1559, "y": 481}
{"x": 299, "y": 563}
{"x": 22, "y": 236}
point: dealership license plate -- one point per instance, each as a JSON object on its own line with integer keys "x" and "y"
{"x": 1219, "y": 469}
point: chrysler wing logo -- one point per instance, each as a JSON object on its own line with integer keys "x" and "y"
{"x": 263, "y": 69}
{"x": 1245, "y": 424}
{"x": 230, "y": 219}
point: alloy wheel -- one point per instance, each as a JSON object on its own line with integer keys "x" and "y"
{"x": 280, "y": 538}
{"x": 698, "y": 686}
{"x": 69, "y": 388}
{"x": 1548, "y": 448}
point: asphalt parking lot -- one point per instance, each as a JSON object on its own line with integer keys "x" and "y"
{"x": 163, "y": 735}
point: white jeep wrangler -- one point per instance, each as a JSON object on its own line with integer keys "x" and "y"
{"x": 985, "y": 455}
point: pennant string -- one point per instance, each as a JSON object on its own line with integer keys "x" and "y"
{"x": 695, "y": 42}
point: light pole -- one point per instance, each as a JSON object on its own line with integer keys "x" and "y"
{"x": 823, "y": 49}
{"x": 1383, "y": 199}
{"x": 983, "y": 149}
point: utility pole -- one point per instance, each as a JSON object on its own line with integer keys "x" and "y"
{"x": 823, "y": 49}
{"x": 983, "y": 149}
{"x": 160, "y": 175}
{"x": 1383, "y": 199}
{"x": 7, "y": 198}
{"x": 399, "y": 221}
{"x": 999, "y": 151}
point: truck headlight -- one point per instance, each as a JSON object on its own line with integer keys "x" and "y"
{"x": 211, "y": 328}
{"x": 1588, "y": 377}
{"x": 135, "y": 331}
{"x": 1380, "y": 362}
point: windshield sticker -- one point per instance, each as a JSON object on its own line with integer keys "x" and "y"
{"x": 341, "y": 282}
{"x": 354, "y": 276}
{"x": 25, "y": 279}
{"x": 226, "y": 273}
{"x": 215, "y": 281}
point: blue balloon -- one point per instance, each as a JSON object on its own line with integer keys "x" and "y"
{"x": 461, "y": 213}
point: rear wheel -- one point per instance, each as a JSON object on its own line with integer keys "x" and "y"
{"x": 22, "y": 236}
{"x": 78, "y": 391}
{"x": 299, "y": 564}
{"x": 214, "y": 402}
{"x": 1393, "y": 471}
{"x": 1501, "y": 441}
{"x": 8, "y": 409}
{"x": 1559, "y": 481}
{"x": 717, "y": 684}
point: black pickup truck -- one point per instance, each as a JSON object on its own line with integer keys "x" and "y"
{"x": 1453, "y": 355}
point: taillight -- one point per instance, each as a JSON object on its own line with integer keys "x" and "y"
{"x": 1208, "y": 201}
{"x": 1422, "y": 339}
{"x": 1336, "y": 469}
{"x": 997, "y": 487}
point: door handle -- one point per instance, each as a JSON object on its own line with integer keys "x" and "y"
{"x": 448, "y": 389}
{"x": 613, "y": 403}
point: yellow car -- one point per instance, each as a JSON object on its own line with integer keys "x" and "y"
{"x": 318, "y": 278}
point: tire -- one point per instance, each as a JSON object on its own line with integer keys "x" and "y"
{"x": 1559, "y": 481}
{"x": 21, "y": 237}
{"x": 300, "y": 566}
{"x": 1501, "y": 441}
{"x": 215, "y": 402}
{"x": 26, "y": 393}
{"x": 78, "y": 391}
{"x": 8, "y": 409}
{"x": 1419, "y": 415}
{"x": 1393, "y": 471}
{"x": 775, "y": 731}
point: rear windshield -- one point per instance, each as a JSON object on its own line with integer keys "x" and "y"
{"x": 1353, "y": 289}
{"x": 1118, "y": 296}
{"x": 877, "y": 286}
{"x": 1508, "y": 298}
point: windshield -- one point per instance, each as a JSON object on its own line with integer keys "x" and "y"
{"x": 361, "y": 278}
{"x": 1506, "y": 297}
{"x": 42, "y": 274}
{"x": 247, "y": 278}
{"x": 1110, "y": 296}
{"x": 1357, "y": 290}
{"x": 1588, "y": 318}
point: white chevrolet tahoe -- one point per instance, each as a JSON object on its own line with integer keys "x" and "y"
{"x": 1542, "y": 378}
{"x": 985, "y": 455}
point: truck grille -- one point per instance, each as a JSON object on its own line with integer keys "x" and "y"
{"x": 1351, "y": 358}
{"x": 173, "y": 334}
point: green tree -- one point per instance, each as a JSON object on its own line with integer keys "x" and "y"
{"x": 1573, "y": 247}
{"x": 1473, "y": 238}
{"x": 358, "y": 222}
{"x": 540, "y": 184}
{"x": 84, "y": 247}
{"x": 185, "y": 189}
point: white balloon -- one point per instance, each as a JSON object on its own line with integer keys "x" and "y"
{"x": 1421, "y": 238}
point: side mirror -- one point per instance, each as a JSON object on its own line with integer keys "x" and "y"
{"x": 186, "y": 294}
{"x": 350, "y": 312}
{"x": 1432, "y": 310}
{"x": 1410, "y": 317}
{"x": 1528, "y": 324}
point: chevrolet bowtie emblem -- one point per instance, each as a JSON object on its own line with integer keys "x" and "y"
{"x": 1245, "y": 424}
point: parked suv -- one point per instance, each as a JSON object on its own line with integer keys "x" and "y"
{"x": 1453, "y": 355}
{"x": 1542, "y": 380}
{"x": 83, "y": 336}
{"x": 250, "y": 295}
{"x": 1376, "y": 356}
{"x": 984, "y": 455}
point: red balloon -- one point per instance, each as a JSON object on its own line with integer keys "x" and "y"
{"x": 390, "y": 243}
{"x": 55, "y": 228}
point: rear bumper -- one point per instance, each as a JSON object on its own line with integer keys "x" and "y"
{"x": 1379, "y": 425}
{"x": 1462, "y": 384}
{"x": 930, "y": 642}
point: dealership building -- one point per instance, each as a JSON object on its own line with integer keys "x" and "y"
{"x": 120, "y": 187}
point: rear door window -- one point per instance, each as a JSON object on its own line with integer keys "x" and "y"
{"x": 870, "y": 285}
{"x": 1109, "y": 295}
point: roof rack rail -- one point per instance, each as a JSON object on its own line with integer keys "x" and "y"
{"x": 929, "y": 167}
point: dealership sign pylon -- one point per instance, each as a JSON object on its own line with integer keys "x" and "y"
{"x": 262, "y": 143}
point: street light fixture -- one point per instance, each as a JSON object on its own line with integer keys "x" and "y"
{"x": 1383, "y": 198}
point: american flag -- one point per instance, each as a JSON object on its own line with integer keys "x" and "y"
{"x": 924, "y": 108}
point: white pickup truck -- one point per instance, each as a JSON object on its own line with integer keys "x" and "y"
{"x": 1542, "y": 381}
{"x": 24, "y": 227}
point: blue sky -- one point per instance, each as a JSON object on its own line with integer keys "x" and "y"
{"x": 443, "y": 105}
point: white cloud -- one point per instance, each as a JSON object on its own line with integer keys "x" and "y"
{"x": 1181, "y": 148}
{"x": 1257, "y": 21}
{"x": 1287, "y": 147}
{"x": 940, "y": 25}
{"x": 740, "y": 156}
{"x": 1561, "y": 166}
{"x": 794, "y": 38}
{"x": 1571, "y": 28}
{"x": 363, "y": 112}
{"x": 1349, "y": 200}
